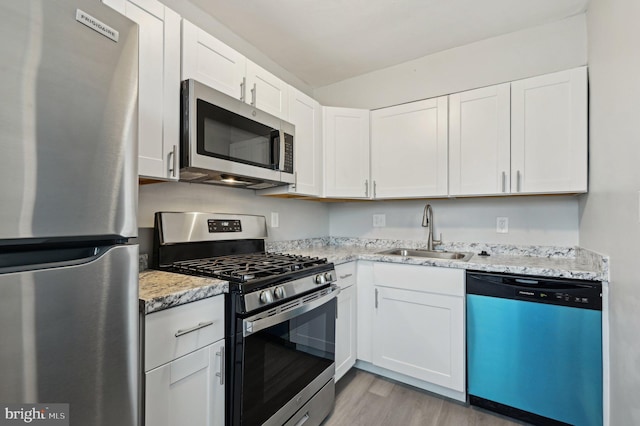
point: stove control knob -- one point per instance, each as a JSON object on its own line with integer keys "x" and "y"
{"x": 328, "y": 276}
{"x": 278, "y": 293}
{"x": 320, "y": 279}
{"x": 266, "y": 297}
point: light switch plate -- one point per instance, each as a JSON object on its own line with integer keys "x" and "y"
{"x": 275, "y": 219}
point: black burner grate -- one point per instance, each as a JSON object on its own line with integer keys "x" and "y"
{"x": 247, "y": 267}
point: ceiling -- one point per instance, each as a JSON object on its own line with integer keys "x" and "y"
{"x": 326, "y": 41}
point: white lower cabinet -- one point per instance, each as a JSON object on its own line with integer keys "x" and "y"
{"x": 346, "y": 320}
{"x": 188, "y": 390}
{"x": 184, "y": 365}
{"x": 418, "y": 324}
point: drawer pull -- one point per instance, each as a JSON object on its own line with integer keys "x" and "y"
{"x": 342, "y": 277}
{"x": 194, "y": 328}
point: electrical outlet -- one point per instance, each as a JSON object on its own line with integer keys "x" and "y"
{"x": 275, "y": 219}
{"x": 502, "y": 225}
{"x": 379, "y": 220}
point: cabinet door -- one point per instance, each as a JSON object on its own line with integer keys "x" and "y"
{"x": 346, "y": 331}
{"x": 365, "y": 295}
{"x": 188, "y": 390}
{"x": 409, "y": 149}
{"x": 266, "y": 92}
{"x": 306, "y": 114}
{"x": 479, "y": 141}
{"x": 549, "y": 133}
{"x": 420, "y": 335}
{"x": 158, "y": 86}
{"x": 346, "y": 143}
{"x": 211, "y": 62}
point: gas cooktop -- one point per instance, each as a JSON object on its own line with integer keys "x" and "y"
{"x": 247, "y": 267}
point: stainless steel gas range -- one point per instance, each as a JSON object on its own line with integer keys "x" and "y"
{"x": 280, "y": 315}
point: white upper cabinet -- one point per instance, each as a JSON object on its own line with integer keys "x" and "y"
{"x": 346, "y": 149}
{"x": 306, "y": 114}
{"x": 409, "y": 150}
{"x": 211, "y": 62}
{"x": 479, "y": 141}
{"x": 266, "y": 92}
{"x": 549, "y": 133}
{"x": 158, "y": 86}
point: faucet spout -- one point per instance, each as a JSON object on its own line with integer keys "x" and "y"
{"x": 427, "y": 221}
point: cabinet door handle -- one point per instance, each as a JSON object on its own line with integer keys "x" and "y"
{"x": 518, "y": 181}
{"x": 222, "y": 366}
{"x": 243, "y": 89}
{"x": 366, "y": 188}
{"x": 374, "y": 189}
{"x": 504, "y": 182}
{"x": 173, "y": 161}
{"x": 376, "y": 298}
{"x": 194, "y": 328}
{"x": 254, "y": 95}
{"x": 342, "y": 277}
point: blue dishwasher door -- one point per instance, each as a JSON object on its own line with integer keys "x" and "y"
{"x": 540, "y": 358}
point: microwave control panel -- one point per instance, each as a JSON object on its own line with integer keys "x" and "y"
{"x": 288, "y": 153}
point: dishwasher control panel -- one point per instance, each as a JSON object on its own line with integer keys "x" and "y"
{"x": 563, "y": 292}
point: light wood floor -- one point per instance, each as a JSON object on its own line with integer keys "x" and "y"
{"x": 369, "y": 400}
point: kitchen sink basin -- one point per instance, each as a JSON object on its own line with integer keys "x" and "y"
{"x": 433, "y": 254}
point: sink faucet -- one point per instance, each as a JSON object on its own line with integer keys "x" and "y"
{"x": 427, "y": 221}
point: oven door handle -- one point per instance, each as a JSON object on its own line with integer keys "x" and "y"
{"x": 251, "y": 325}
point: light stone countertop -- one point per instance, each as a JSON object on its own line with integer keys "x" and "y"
{"x": 577, "y": 266}
{"x": 161, "y": 290}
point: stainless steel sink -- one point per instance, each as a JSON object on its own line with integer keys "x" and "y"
{"x": 433, "y": 254}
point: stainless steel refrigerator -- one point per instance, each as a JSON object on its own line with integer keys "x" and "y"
{"x": 68, "y": 198}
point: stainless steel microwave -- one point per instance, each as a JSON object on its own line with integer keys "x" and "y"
{"x": 227, "y": 142}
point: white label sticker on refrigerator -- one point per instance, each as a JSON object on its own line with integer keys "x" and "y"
{"x": 96, "y": 25}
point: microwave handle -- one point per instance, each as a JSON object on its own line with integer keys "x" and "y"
{"x": 276, "y": 142}
{"x": 282, "y": 151}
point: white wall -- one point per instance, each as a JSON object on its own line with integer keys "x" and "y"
{"x": 194, "y": 14}
{"x": 539, "y": 50}
{"x": 298, "y": 219}
{"x": 532, "y": 220}
{"x": 609, "y": 216}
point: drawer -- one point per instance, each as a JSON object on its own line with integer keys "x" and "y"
{"x": 430, "y": 279}
{"x": 175, "y": 332}
{"x": 346, "y": 274}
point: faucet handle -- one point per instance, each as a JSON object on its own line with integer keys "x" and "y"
{"x": 437, "y": 242}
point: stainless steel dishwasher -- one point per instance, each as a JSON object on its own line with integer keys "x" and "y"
{"x": 534, "y": 348}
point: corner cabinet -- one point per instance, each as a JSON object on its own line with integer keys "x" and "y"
{"x": 211, "y": 62}
{"x": 184, "y": 364}
{"x": 158, "y": 87}
{"x": 419, "y": 324}
{"x": 409, "y": 150}
{"x": 549, "y": 127}
{"x": 346, "y": 153}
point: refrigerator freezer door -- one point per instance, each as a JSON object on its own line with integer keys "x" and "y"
{"x": 68, "y": 114}
{"x": 70, "y": 335}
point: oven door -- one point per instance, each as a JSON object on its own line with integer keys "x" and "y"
{"x": 288, "y": 355}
